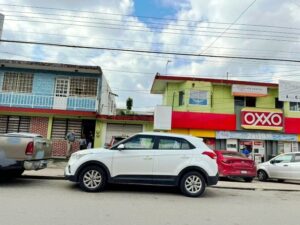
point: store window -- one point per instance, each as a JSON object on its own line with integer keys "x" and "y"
{"x": 250, "y": 101}
{"x": 294, "y": 106}
{"x": 278, "y": 104}
{"x": 17, "y": 82}
{"x": 181, "y": 98}
{"x": 83, "y": 87}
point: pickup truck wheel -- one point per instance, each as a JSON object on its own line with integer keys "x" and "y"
{"x": 92, "y": 179}
{"x": 192, "y": 184}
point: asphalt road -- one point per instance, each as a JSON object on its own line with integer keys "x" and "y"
{"x": 58, "y": 202}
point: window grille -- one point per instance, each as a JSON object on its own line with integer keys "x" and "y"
{"x": 83, "y": 86}
{"x": 9, "y": 124}
{"x": 17, "y": 82}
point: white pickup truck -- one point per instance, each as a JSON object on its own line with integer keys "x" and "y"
{"x": 23, "y": 151}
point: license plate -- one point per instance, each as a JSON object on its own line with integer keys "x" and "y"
{"x": 243, "y": 171}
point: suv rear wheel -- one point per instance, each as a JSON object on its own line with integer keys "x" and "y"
{"x": 192, "y": 184}
{"x": 92, "y": 179}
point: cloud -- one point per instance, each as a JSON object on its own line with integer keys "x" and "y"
{"x": 192, "y": 29}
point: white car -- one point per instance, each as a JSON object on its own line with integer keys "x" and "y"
{"x": 282, "y": 167}
{"x": 147, "y": 158}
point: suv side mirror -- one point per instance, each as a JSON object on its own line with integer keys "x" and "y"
{"x": 273, "y": 161}
{"x": 121, "y": 147}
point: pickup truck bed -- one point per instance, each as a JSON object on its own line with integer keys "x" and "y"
{"x": 24, "y": 151}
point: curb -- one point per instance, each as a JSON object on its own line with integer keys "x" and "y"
{"x": 37, "y": 177}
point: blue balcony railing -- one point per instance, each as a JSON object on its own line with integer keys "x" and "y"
{"x": 25, "y": 100}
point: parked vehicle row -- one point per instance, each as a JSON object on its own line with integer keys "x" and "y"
{"x": 146, "y": 158}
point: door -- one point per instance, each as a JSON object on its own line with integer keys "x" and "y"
{"x": 280, "y": 167}
{"x": 61, "y": 94}
{"x": 135, "y": 161}
{"x": 170, "y": 154}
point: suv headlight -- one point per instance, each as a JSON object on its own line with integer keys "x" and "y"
{"x": 76, "y": 156}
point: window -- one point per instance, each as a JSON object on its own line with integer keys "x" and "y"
{"x": 278, "y": 104}
{"x": 198, "y": 97}
{"x": 60, "y": 128}
{"x": 181, "y": 98}
{"x": 139, "y": 142}
{"x": 17, "y": 82}
{"x": 250, "y": 102}
{"x": 239, "y": 101}
{"x": 283, "y": 159}
{"x": 173, "y": 143}
{"x": 245, "y": 101}
{"x": 10, "y": 124}
{"x": 297, "y": 158}
{"x": 83, "y": 86}
{"x": 294, "y": 106}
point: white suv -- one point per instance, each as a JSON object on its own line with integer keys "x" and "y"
{"x": 147, "y": 158}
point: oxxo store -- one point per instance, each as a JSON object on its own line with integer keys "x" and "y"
{"x": 231, "y": 115}
{"x": 266, "y": 138}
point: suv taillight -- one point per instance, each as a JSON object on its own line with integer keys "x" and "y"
{"x": 210, "y": 154}
{"x": 29, "y": 148}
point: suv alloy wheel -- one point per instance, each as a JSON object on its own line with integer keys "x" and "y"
{"x": 192, "y": 184}
{"x": 92, "y": 179}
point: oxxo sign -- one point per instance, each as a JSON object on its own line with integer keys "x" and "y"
{"x": 262, "y": 119}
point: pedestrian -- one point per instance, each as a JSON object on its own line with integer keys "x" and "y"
{"x": 90, "y": 140}
{"x": 246, "y": 152}
{"x": 70, "y": 137}
{"x": 82, "y": 143}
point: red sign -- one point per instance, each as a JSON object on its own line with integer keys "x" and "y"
{"x": 260, "y": 119}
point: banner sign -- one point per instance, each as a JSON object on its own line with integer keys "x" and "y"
{"x": 249, "y": 90}
{"x": 198, "y": 97}
{"x": 289, "y": 91}
{"x": 162, "y": 117}
{"x": 262, "y": 119}
{"x": 255, "y": 136}
{"x": 1, "y": 24}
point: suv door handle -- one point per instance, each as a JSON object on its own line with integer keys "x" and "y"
{"x": 285, "y": 165}
{"x": 185, "y": 157}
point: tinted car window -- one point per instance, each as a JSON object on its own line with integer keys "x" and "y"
{"x": 233, "y": 154}
{"x": 173, "y": 143}
{"x": 139, "y": 142}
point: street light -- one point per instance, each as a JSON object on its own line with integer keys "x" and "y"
{"x": 167, "y": 65}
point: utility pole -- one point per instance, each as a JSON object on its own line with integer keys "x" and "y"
{"x": 1, "y": 24}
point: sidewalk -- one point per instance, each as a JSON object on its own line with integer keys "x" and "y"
{"x": 55, "y": 170}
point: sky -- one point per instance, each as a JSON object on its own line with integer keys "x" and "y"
{"x": 249, "y": 28}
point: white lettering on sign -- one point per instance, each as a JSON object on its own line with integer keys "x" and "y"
{"x": 269, "y": 119}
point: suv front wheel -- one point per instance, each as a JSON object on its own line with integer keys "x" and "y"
{"x": 192, "y": 184}
{"x": 92, "y": 179}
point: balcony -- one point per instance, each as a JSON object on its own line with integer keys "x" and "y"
{"x": 12, "y": 99}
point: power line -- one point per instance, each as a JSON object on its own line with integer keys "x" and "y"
{"x": 214, "y": 41}
{"x": 149, "y": 52}
{"x": 152, "y": 43}
{"x": 159, "y": 28}
{"x": 141, "y": 16}
{"x": 165, "y": 32}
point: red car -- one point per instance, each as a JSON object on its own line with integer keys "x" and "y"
{"x": 235, "y": 164}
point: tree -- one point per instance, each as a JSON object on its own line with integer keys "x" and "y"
{"x": 129, "y": 103}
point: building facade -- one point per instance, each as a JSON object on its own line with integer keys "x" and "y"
{"x": 232, "y": 115}
{"x": 52, "y": 99}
